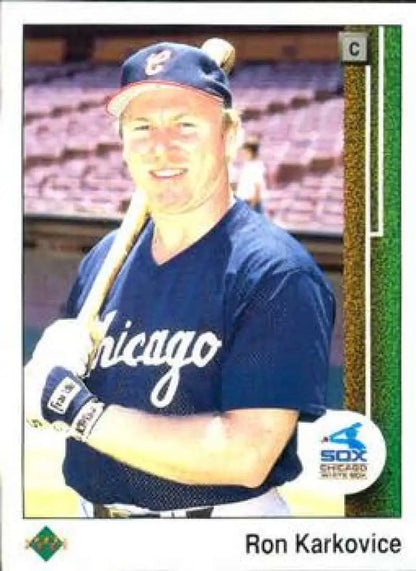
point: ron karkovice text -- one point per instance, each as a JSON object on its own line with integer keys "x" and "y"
{"x": 334, "y": 543}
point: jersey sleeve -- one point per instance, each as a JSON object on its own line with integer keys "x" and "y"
{"x": 76, "y": 294}
{"x": 279, "y": 354}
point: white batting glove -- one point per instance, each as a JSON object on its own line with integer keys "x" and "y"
{"x": 63, "y": 401}
{"x": 66, "y": 343}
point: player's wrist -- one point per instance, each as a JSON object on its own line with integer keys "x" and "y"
{"x": 86, "y": 419}
{"x": 67, "y": 403}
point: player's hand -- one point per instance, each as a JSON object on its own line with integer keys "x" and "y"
{"x": 62, "y": 400}
{"x": 66, "y": 343}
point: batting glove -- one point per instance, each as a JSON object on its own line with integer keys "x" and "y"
{"x": 67, "y": 343}
{"x": 67, "y": 404}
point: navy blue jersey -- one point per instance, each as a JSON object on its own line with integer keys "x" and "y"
{"x": 240, "y": 319}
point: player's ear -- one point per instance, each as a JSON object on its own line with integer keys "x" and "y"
{"x": 123, "y": 140}
{"x": 118, "y": 128}
{"x": 117, "y": 125}
{"x": 233, "y": 134}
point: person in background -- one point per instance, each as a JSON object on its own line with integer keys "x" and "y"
{"x": 251, "y": 181}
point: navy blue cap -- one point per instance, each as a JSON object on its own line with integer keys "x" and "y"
{"x": 169, "y": 63}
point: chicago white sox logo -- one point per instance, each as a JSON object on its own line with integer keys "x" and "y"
{"x": 156, "y": 62}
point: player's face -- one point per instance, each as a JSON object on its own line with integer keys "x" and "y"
{"x": 175, "y": 148}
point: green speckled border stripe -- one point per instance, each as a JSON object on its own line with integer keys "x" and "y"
{"x": 383, "y": 499}
{"x": 385, "y": 495}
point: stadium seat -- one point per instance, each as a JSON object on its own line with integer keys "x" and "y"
{"x": 72, "y": 149}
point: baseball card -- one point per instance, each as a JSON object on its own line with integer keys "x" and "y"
{"x": 208, "y": 220}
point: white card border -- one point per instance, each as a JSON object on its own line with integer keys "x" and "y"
{"x": 185, "y": 544}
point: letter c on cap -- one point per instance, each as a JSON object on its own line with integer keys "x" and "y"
{"x": 156, "y": 62}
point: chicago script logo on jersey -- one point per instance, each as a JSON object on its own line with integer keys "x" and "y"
{"x": 161, "y": 347}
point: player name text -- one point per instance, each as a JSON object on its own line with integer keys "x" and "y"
{"x": 308, "y": 544}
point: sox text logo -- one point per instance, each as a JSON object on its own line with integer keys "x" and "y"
{"x": 161, "y": 347}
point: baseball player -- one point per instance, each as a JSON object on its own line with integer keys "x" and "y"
{"x": 215, "y": 334}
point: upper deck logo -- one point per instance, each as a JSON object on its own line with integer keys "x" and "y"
{"x": 45, "y": 543}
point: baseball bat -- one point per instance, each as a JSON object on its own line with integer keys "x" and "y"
{"x": 223, "y": 53}
{"x": 130, "y": 228}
